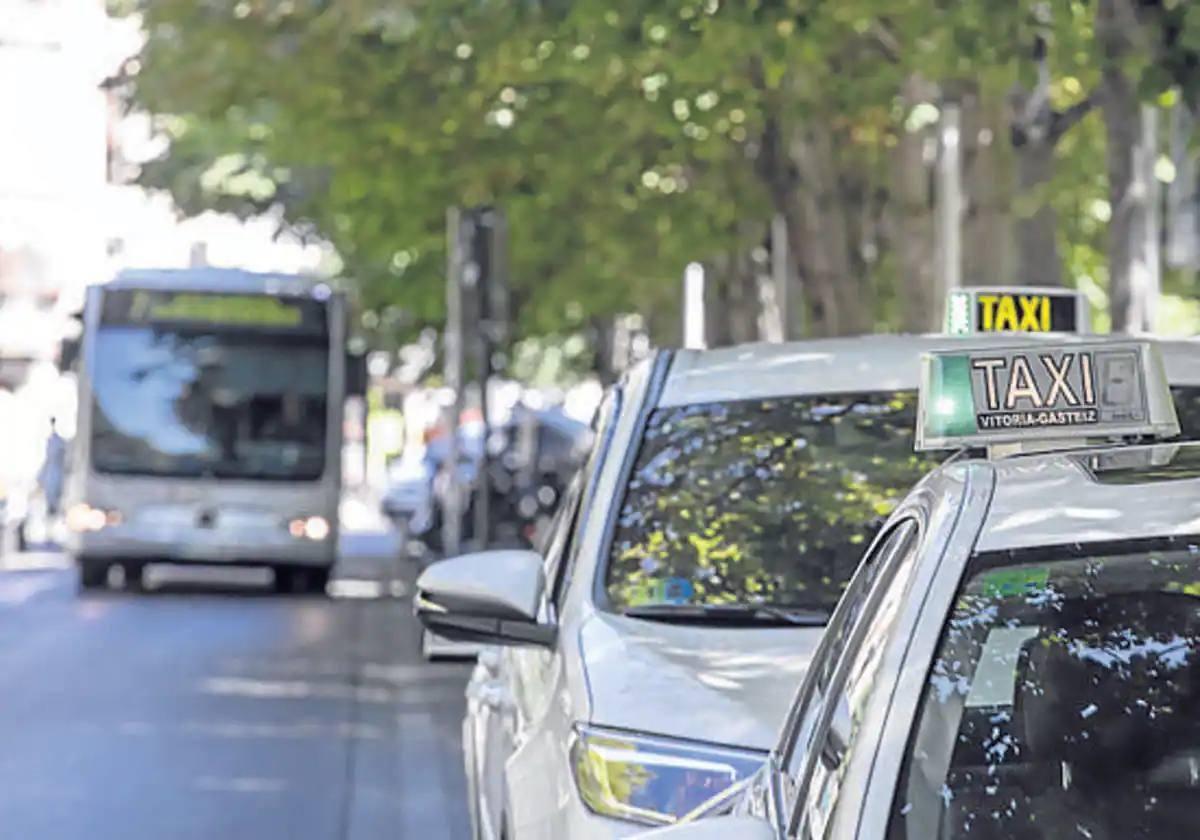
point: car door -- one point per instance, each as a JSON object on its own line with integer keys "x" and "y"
{"x": 522, "y": 682}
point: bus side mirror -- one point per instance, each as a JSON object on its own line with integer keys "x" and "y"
{"x": 68, "y": 354}
{"x": 356, "y": 373}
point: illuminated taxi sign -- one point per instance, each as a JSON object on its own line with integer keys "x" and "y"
{"x": 1017, "y": 309}
{"x": 233, "y": 310}
{"x": 1019, "y": 394}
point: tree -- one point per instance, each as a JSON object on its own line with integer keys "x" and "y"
{"x": 626, "y": 140}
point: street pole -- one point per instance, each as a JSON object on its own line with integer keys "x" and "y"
{"x": 481, "y": 261}
{"x": 949, "y": 201}
{"x": 693, "y": 306}
{"x": 453, "y": 375}
{"x": 781, "y": 276}
{"x": 1147, "y": 279}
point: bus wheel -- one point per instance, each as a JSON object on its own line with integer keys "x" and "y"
{"x": 301, "y": 581}
{"x": 318, "y": 581}
{"x": 93, "y": 574}
{"x": 135, "y": 576}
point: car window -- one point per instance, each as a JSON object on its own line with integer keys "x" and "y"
{"x": 1063, "y": 699}
{"x": 761, "y": 501}
{"x": 584, "y": 491}
{"x": 556, "y": 542}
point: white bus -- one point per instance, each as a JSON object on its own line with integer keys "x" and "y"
{"x": 210, "y": 425}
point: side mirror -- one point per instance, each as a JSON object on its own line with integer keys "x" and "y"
{"x": 492, "y": 597}
{"x": 356, "y": 373}
{"x": 717, "y": 828}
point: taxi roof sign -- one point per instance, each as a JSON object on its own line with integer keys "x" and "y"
{"x": 1041, "y": 393}
{"x": 1016, "y": 309}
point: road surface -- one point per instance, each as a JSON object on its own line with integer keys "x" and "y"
{"x": 212, "y": 708}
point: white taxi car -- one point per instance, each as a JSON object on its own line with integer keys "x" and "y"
{"x": 1018, "y": 656}
{"x": 653, "y": 647}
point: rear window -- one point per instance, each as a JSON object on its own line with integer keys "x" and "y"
{"x": 1064, "y": 699}
{"x": 761, "y": 501}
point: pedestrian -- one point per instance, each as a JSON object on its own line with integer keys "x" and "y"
{"x": 50, "y": 477}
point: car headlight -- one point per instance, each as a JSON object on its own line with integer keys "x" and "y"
{"x": 315, "y": 528}
{"x": 82, "y": 517}
{"x": 650, "y": 780}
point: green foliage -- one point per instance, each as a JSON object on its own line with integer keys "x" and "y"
{"x": 623, "y": 140}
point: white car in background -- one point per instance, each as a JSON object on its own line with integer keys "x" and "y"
{"x": 652, "y": 649}
{"x": 408, "y": 487}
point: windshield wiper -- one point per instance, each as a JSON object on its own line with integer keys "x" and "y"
{"x": 772, "y": 614}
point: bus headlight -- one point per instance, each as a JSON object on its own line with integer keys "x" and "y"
{"x": 82, "y": 518}
{"x": 315, "y": 528}
{"x": 650, "y": 780}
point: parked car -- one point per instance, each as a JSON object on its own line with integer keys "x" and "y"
{"x": 652, "y": 649}
{"x": 1018, "y": 655}
{"x": 530, "y": 460}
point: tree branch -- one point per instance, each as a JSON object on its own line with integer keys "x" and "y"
{"x": 1063, "y": 121}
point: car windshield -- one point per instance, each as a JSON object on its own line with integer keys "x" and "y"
{"x": 765, "y": 501}
{"x": 1064, "y": 699}
{"x": 192, "y": 403}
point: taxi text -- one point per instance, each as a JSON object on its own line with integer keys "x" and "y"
{"x": 1036, "y": 390}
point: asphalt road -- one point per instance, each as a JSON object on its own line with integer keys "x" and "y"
{"x": 211, "y": 708}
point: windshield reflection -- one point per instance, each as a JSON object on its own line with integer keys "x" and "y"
{"x": 762, "y": 501}
{"x": 199, "y": 403}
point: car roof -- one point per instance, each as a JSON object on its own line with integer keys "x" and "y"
{"x": 1095, "y": 495}
{"x": 848, "y": 365}
{"x": 209, "y": 279}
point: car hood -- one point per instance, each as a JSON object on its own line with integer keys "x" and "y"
{"x": 718, "y": 684}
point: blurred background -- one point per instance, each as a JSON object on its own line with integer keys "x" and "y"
{"x": 519, "y": 199}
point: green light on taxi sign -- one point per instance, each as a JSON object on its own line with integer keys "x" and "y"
{"x": 1043, "y": 392}
{"x": 958, "y": 313}
{"x": 951, "y": 408}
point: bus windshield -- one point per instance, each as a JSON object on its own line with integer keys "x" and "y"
{"x": 224, "y": 403}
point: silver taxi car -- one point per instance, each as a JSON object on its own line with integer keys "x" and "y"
{"x": 652, "y": 648}
{"x": 1018, "y": 655}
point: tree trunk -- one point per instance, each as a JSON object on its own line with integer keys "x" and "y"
{"x": 988, "y": 240}
{"x": 1132, "y": 256}
{"x": 1038, "y": 260}
{"x": 1034, "y": 136}
{"x": 717, "y": 329}
{"x": 744, "y": 300}
{"x": 732, "y": 300}
{"x": 911, "y": 208}
{"x": 840, "y": 292}
{"x": 1183, "y": 228}
{"x": 603, "y": 334}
